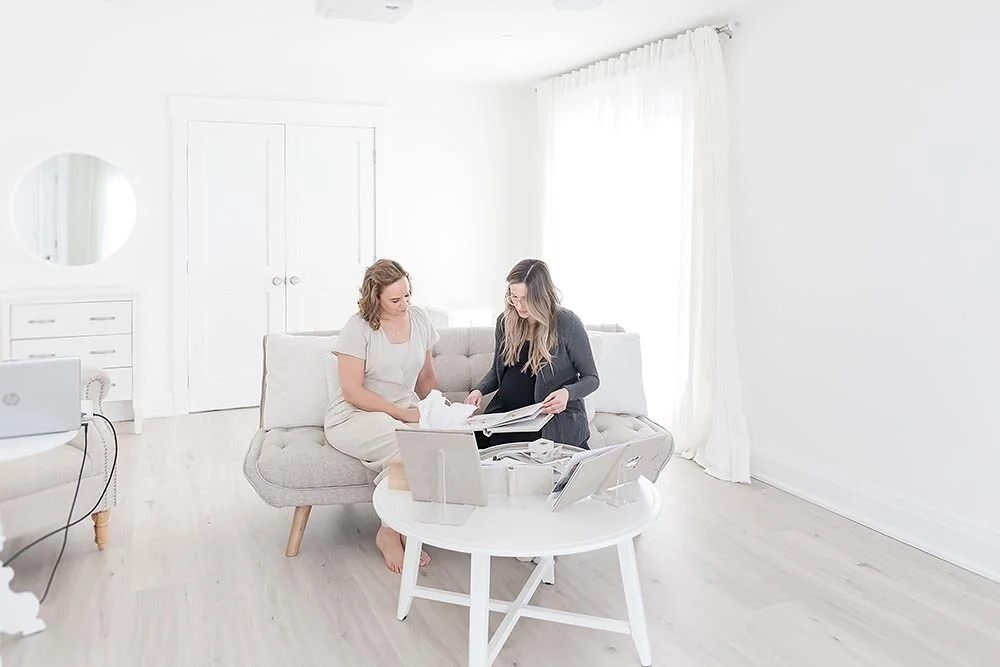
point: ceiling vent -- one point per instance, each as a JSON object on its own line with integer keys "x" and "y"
{"x": 382, "y": 11}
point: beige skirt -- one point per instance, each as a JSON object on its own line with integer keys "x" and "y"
{"x": 369, "y": 437}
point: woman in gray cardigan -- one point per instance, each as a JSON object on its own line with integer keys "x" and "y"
{"x": 542, "y": 355}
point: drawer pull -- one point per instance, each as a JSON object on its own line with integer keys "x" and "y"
{"x": 42, "y": 356}
{"x": 103, "y": 351}
{"x": 103, "y": 318}
{"x": 41, "y": 321}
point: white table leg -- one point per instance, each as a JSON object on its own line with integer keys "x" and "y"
{"x": 633, "y": 601}
{"x": 408, "y": 581}
{"x": 550, "y": 571}
{"x": 479, "y": 611}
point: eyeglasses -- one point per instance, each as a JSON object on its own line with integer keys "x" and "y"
{"x": 515, "y": 300}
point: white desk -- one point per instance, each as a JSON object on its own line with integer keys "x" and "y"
{"x": 19, "y": 611}
{"x": 528, "y": 529}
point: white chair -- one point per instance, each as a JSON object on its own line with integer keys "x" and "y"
{"x": 36, "y": 491}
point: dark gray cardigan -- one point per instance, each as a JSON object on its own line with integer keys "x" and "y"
{"x": 572, "y": 368}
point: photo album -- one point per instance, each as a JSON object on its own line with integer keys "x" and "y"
{"x": 527, "y": 420}
{"x": 437, "y": 412}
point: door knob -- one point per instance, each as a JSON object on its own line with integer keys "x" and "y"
{"x": 294, "y": 280}
{"x": 276, "y": 281}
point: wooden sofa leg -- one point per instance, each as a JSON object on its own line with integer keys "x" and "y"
{"x": 298, "y": 528}
{"x": 101, "y": 528}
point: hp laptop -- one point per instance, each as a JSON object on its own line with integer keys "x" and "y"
{"x": 39, "y": 396}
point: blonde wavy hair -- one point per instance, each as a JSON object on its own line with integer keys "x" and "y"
{"x": 539, "y": 328}
{"x": 378, "y": 276}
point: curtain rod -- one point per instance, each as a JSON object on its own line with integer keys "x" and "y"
{"x": 728, "y": 30}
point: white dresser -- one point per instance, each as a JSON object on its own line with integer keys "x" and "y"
{"x": 98, "y": 327}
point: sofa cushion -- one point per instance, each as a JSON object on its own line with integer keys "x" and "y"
{"x": 461, "y": 358}
{"x": 302, "y": 458}
{"x": 295, "y": 387}
{"x": 620, "y": 369}
{"x": 611, "y": 429}
{"x": 31, "y": 474}
{"x": 596, "y": 347}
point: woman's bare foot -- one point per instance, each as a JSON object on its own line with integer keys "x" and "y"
{"x": 391, "y": 544}
{"x": 424, "y": 558}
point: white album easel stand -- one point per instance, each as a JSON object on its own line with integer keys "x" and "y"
{"x": 443, "y": 513}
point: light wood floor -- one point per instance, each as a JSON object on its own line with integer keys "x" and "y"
{"x": 733, "y": 575}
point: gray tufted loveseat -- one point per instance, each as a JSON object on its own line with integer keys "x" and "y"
{"x": 289, "y": 462}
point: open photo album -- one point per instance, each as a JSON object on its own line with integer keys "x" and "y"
{"x": 436, "y": 412}
{"x": 523, "y": 420}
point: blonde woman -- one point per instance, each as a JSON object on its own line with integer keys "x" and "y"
{"x": 542, "y": 354}
{"x": 385, "y": 368}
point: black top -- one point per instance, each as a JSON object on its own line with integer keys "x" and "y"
{"x": 517, "y": 389}
{"x": 572, "y": 364}
{"x": 572, "y": 368}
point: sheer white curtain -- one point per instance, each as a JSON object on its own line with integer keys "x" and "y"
{"x": 636, "y": 228}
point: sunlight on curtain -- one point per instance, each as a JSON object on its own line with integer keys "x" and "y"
{"x": 636, "y": 229}
{"x": 613, "y": 212}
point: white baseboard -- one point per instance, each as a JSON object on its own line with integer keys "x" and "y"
{"x": 949, "y": 537}
{"x": 157, "y": 406}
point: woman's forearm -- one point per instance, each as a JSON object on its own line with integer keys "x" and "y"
{"x": 369, "y": 401}
{"x": 426, "y": 386}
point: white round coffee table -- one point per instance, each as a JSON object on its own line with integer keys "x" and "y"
{"x": 19, "y": 611}
{"x": 527, "y": 529}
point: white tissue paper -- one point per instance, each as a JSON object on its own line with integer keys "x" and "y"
{"x": 438, "y": 412}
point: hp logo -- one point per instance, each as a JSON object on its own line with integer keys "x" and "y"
{"x": 11, "y": 399}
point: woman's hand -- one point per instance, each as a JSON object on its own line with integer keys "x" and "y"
{"x": 555, "y": 402}
{"x": 475, "y": 398}
{"x": 410, "y": 416}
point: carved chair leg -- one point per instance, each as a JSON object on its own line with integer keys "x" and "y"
{"x": 298, "y": 528}
{"x": 101, "y": 528}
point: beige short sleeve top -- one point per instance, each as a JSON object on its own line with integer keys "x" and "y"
{"x": 391, "y": 369}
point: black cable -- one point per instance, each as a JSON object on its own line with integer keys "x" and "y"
{"x": 69, "y": 517}
{"x": 114, "y": 465}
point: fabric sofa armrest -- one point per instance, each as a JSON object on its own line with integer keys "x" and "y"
{"x": 95, "y": 385}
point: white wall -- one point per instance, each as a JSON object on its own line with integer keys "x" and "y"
{"x": 103, "y": 88}
{"x": 866, "y": 170}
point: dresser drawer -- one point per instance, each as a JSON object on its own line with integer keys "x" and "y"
{"x": 121, "y": 384}
{"x": 58, "y": 320}
{"x": 97, "y": 351}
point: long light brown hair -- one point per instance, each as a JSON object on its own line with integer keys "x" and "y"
{"x": 378, "y": 276}
{"x": 539, "y": 328}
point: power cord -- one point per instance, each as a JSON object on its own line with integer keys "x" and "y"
{"x": 69, "y": 519}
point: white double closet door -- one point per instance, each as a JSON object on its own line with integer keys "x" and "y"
{"x": 281, "y": 223}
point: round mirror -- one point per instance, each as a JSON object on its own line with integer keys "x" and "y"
{"x": 74, "y": 209}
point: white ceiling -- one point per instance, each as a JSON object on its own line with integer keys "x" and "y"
{"x": 455, "y": 39}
